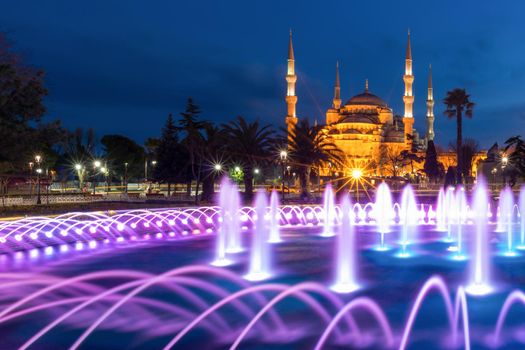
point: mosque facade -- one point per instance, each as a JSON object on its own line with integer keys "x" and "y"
{"x": 365, "y": 127}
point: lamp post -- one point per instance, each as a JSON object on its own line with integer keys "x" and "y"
{"x": 283, "y": 156}
{"x": 104, "y": 170}
{"x": 504, "y": 162}
{"x": 38, "y": 160}
{"x": 31, "y": 164}
{"x": 256, "y": 172}
{"x": 153, "y": 162}
{"x": 126, "y": 178}
{"x": 96, "y": 165}
{"x": 80, "y": 174}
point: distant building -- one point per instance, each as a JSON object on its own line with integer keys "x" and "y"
{"x": 365, "y": 127}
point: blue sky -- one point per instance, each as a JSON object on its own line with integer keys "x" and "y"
{"x": 122, "y": 66}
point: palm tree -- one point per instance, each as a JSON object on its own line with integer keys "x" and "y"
{"x": 311, "y": 146}
{"x": 457, "y": 103}
{"x": 250, "y": 143}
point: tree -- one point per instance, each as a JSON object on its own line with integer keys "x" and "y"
{"x": 469, "y": 149}
{"x": 192, "y": 128}
{"x": 250, "y": 143}
{"x": 170, "y": 155}
{"x": 151, "y": 144}
{"x": 409, "y": 157}
{"x": 458, "y": 103}
{"x": 515, "y": 150}
{"x": 450, "y": 177}
{"x": 119, "y": 151}
{"x": 432, "y": 167}
{"x": 22, "y": 133}
{"x": 311, "y": 146}
{"x": 392, "y": 160}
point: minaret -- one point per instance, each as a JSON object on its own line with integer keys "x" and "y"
{"x": 337, "y": 89}
{"x": 430, "y": 107}
{"x": 408, "y": 97}
{"x": 291, "y": 98}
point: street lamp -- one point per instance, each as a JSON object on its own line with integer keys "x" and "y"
{"x": 217, "y": 167}
{"x": 96, "y": 164}
{"x": 38, "y": 160}
{"x": 126, "y": 177}
{"x": 80, "y": 174}
{"x": 31, "y": 164}
{"x": 153, "y": 162}
{"x": 105, "y": 171}
{"x": 283, "y": 156}
{"x": 494, "y": 171}
{"x": 256, "y": 172}
{"x": 504, "y": 162}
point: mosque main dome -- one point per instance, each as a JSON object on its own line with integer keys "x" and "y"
{"x": 366, "y": 98}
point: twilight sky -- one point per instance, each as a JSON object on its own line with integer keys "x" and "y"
{"x": 122, "y": 66}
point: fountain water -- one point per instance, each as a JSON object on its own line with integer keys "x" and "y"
{"x": 260, "y": 254}
{"x": 408, "y": 218}
{"x": 441, "y": 211}
{"x": 461, "y": 218}
{"x": 383, "y": 212}
{"x": 521, "y": 215}
{"x": 233, "y": 233}
{"x": 450, "y": 211}
{"x": 480, "y": 261}
{"x": 275, "y": 217}
{"x": 346, "y": 267}
{"x": 506, "y": 207}
{"x": 329, "y": 212}
{"x": 228, "y": 216}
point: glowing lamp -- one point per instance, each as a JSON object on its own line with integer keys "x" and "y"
{"x": 357, "y": 173}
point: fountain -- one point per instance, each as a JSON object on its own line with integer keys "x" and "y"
{"x": 383, "y": 212}
{"x": 480, "y": 263}
{"x": 346, "y": 261}
{"x": 505, "y": 219}
{"x": 275, "y": 217}
{"x": 226, "y": 219}
{"x": 260, "y": 253}
{"x": 450, "y": 211}
{"x": 521, "y": 215}
{"x": 329, "y": 211}
{"x": 200, "y": 306}
{"x": 441, "y": 223}
{"x": 461, "y": 219}
{"x": 231, "y": 205}
{"x": 408, "y": 218}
